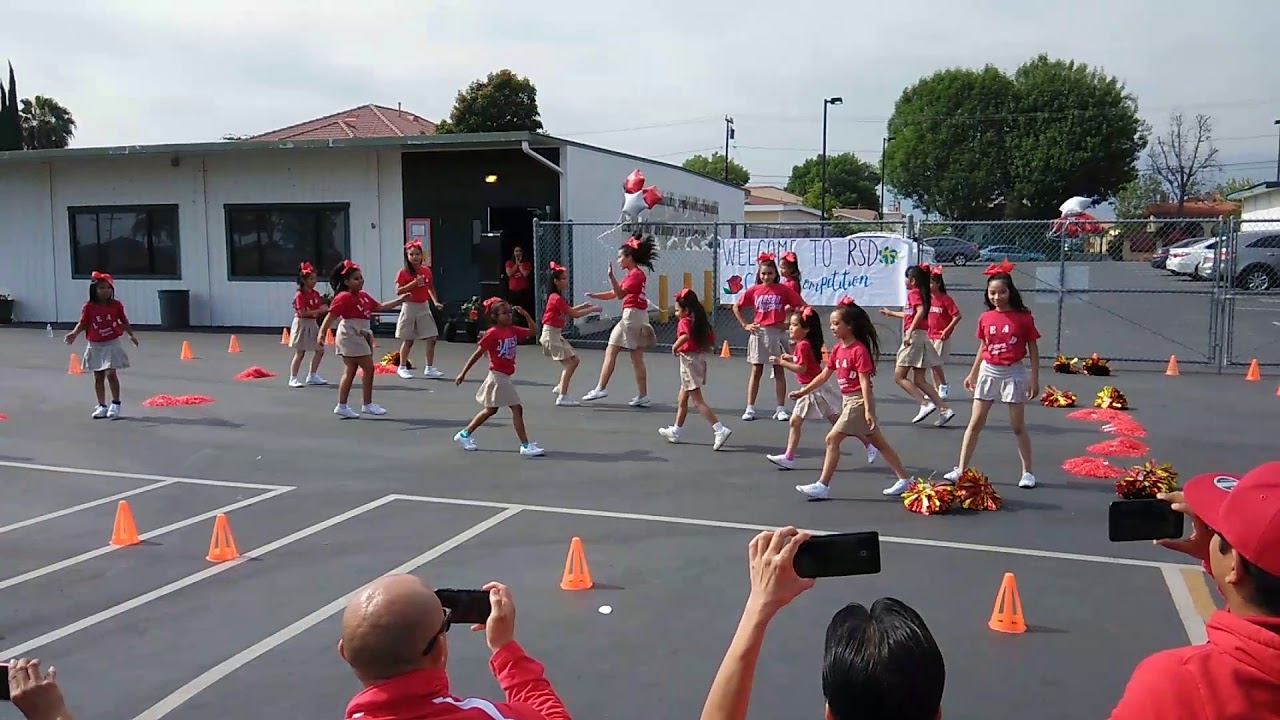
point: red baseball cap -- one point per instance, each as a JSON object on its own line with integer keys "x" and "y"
{"x": 1244, "y": 510}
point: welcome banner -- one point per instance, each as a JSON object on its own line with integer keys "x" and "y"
{"x": 868, "y": 267}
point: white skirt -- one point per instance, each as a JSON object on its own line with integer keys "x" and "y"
{"x": 109, "y": 355}
{"x": 1003, "y": 383}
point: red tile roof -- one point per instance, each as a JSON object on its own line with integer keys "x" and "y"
{"x": 365, "y": 121}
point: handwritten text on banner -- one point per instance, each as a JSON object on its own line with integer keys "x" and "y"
{"x": 868, "y": 267}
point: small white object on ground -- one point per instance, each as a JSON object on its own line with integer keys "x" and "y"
{"x": 605, "y": 609}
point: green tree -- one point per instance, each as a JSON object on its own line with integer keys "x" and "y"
{"x": 46, "y": 124}
{"x": 502, "y": 102}
{"x": 713, "y": 167}
{"x": 10, "y": 123}
{"x": 1226, "y": 187}
{"x": 851, "y": 182}
{"x": 1132, "y": 199}
{"x": 980, "y": 144}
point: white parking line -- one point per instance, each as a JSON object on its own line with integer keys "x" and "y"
{"x": 63, "y": 564}
{"x": 143, "y": 599}
{"x": 1191, "y": 620}
{"x": 248, "y": 655}
{"x": 138, "y": 476}
{"x": 84, "y": 506}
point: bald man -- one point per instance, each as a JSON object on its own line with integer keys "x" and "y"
{"x": 395, "y": 638}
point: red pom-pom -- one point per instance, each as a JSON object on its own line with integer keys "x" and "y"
{"x": 172, "y": 400}
{"x": 3, "y": 417}
{"x": 255, "y": 373}
{"x": 1125, "y": 426}
{"x": 1092, "y": 467}
{"x": 923, "y": 497}
{"x": 975, "y": 491}
{"x": 1120, "y": 447}
{"x": 379, "y": 369}
{"x": 1096, "y": 415}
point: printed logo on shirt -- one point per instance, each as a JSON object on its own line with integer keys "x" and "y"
{"x": 999, "y": 345}
{"x": 506, "y": 348}
{"x": 767, "y": 303}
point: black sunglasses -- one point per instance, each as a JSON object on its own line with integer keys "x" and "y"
{"x": 444, "y": 628}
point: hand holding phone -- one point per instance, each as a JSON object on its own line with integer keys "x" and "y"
{"x": 839, "y": 555}
{"x": 466, "y": 607}
{"x": 1146, "y": 519}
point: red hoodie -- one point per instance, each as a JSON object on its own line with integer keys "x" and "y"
{"x": 1235, "y": 675}
{"x": 424, "y": 694}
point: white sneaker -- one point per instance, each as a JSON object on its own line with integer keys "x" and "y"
{"x": 1028, "y": 481}
{"x": 781, "y": 415}
{"x": 945, "y": 417}
{"x": 532, "y": 450}
{"x": 595, "y": 394}
{"x": 897, "y": 488}
{"x": 815, "y": 491}
{"x": 639, "y": 401}
{"x": 952, "y": 476}
{"x": 566, "y": 401}
{"x": 404, "y": 372}
{"x": 465, "y": 441}
{"x": 722, "y": 435}
{"x": 749, "y": 414}
{"x": 670, "y": 433}
{"x": 872, "y": 454}
{"x": 432, "y": 372}
{"x": 99, "y": 412}
{"x": 925, "y": 411}
{"x": 295, "y": 383}
{"x": 345, "y": 412}
{"x": 944, "y": 390}
{"x": 373, "y": 409}
{"x": 782, "y": 461}
{"x": 113, "y": 412}
{"x": 314, "y": 379}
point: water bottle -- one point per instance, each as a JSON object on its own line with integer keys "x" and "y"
{"x": 48, "y": 328}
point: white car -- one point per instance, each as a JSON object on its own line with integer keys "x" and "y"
{"x": 1186, "y": 260}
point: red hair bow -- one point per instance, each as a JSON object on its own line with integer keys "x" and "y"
{"x": 846, "y": 300}
{"x": 1003, "y": 266}
{"x": 925, "y": 267}
{"x": 633, "y": 242}
{"x": 936, "y": 269}
{"x": 556, "y": 267}
{"x": 765, "y": 256}
{"x": 683, "y": 293}
{"x": 807, "y": 312}
{"x": 305, "y": 268}
{"x": 413, "y": 243}
{"x": 790, "y": 257}
{"x": 102, "y": 276}
{"x": 348, "y": 266}
{"x": 491, "y": 302}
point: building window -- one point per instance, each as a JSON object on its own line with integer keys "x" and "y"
{"x": 127, "y": 242}
{"x": 271, "y": 241}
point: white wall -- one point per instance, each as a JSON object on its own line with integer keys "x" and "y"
{"x": 35, "y": 233}
{"x": 1264, "y": 206}
{"x": 594, "y": 195}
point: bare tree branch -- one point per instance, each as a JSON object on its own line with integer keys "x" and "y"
{"x": 1184, "y": 157}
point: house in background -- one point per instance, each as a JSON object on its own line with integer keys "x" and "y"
{"x": 366, "y": 121}
{"x": 1259, "y": 202}
{"x": 770, "y": 204}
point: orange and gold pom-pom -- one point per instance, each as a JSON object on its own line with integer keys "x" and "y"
{"x": 1109, "y": 398}
{"x": 1064, "y": 366}
{"x": 1095, "y": 366}
{"x": 1055, "y": 398}
{"x": 1147, "y": 481}
{"x": 923, "y": 497}
{"x": 392, "y": 359}
{"x": 975, "y": 492}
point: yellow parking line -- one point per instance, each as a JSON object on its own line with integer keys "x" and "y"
{"x": 1198, "y": 586}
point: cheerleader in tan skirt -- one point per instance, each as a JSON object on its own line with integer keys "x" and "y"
{"x": 500, "y": 341}
{"x": 552, "y": 339}
{"x": 104, "y": 324}
{"x": 633, "y": 332}
{"x": 694, "y": 339}
{"x": 304, "y": 333}
{"x": 917, "y": 354}
{"x": 352, "y": 309}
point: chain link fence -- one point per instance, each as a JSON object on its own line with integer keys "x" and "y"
{"x": 1244, "y": 268}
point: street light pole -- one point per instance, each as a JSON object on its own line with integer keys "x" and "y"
{"x": 1278, "y": 153}
{"x": 825, "y": 103}
{"x": 884, "y": 147}
{"x": 728, "y": 135}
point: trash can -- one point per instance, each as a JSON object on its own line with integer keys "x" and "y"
{"x": 175, "y": 309}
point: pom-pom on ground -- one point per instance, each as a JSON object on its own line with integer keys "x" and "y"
{"x": 975, "y": 492}
{"x": 1095, "y": 366}
{"x": 392, "y": 359}
{"x": 1147, "y": 480}
{"x": 1063, "y": 366}
{"x": 3, "y": 417}
{"x": 255, "y": 373}
{"x": 1092, "y": 467}
{"x": 1119, "y": 447}
{"x": 1096, "y": 415}
{"x": 1055, "y": 398}
{"x": 1125, "y": 426}
{"x": 174, "y": 400}
{"x": 380, "y": 369}
{"x": 1110, "y": 398}
{"x": 923, "y": 497}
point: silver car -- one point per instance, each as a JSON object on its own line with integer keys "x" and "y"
{"x": 1257, "y": 266}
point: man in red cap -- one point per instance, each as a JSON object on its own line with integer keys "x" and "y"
{"x": 1235, "y": 674}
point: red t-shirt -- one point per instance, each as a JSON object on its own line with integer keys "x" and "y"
{"x": 1005, "y": 336}
{"x": 103, "y": 322}
{"x": 633, "y": 285}
{"x": 421, "y": 292}
{"x": 848, "y": 361}
{"x": 942, "y": 309}
{"x": 517, "y": 283}
{"x": 914, "y": 300}
{"x": 359, "y": 306}
{"x": 555, "y": 312}
{"x": 685, "y": 327}
{"x": 306, "y": 301}
{"x": 500, "y": 341}
{"x": 810, "y": 365}
{"x": 770, "y": 302}
{"x": 793, "y": 284}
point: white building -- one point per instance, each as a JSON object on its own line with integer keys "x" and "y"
{"x": 231, "y": 221}
{"x": 1257, "y": 203}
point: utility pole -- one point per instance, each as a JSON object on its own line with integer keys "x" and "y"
{"x": 826, "y": 102}
{"x": 1278, "y": 153}
{"x": 728, "y": 135}
{"x": 884, "y": 148}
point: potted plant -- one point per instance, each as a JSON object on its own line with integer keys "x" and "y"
{"x": 6, "y": 308}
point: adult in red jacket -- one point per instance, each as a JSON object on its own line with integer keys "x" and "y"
{"x": 1235, "y": 674}
{"x": 394, "y": 637}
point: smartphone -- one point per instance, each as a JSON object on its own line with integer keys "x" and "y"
{"x": 466, "y": 607}
{"x": 1146, "y": 519}
{"x": 4, "y": 683}
{"x": 839, "y": 555}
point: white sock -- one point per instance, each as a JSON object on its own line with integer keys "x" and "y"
{"x": 676, "y": 429}
{"x": 718, "y": 427}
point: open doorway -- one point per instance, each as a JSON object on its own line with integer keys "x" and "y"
{"x": 516, "y": 226}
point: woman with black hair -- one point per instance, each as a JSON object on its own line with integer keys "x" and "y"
{"x": 633, "y": 332}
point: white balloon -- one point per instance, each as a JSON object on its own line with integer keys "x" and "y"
{"x": 632, "y": 206}
{"x": 1075, "y": 205}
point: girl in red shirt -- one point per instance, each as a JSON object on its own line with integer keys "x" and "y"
{"x": 103, "y": 322}
{"x": 852, "y": 361}
{"x": 771, "y": 300}
{"x": 694, "y": 338}
{"x": 500, "y": 341}
{"x": 944, "y": 316}
{"x": 633, "y": 332}
{"x": 1006, "y": 335}
{"x": 789, "y": 265}
{"x": 414, "y": 285}
{"x": 805, "y": 360}
{"x": 352, "y": 308}
{"x": 917, "y": 352}
{"x": 552, "y": 339}
{"x": 304, "y": 333}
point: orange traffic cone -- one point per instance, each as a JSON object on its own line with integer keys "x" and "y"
{"x": 1254, "y": 375}
{"x": 724, "y": 349}
{"x": 1172, "y": 370}
{"x": 186, "y": 351}
{"x": 234, "y": 345}
{"x": 284, "y": 336}
{"x": 328, "y": 337}
{"x": 222, "y": 547}
{"x": 1006, "y": 616}
{"x": 576, "y": 575}
{"x": 73, "y": 365}
{"x": 124, "y": 532}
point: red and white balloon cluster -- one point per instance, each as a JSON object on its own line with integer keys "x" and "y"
{"x": 636, "y": 197}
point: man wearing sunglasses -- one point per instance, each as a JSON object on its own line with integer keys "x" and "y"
{"x": 395, "y": 638}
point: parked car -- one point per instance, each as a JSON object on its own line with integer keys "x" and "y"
{"x": 1161, "y": 255}
{"x": 1185, "y": 261}
{"x": 1012, "y": 253}
{"x": 953, "y": 249}
{"x": 1257, "y": 266}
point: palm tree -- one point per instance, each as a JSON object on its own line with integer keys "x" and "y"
{"x": 46, "y": 124}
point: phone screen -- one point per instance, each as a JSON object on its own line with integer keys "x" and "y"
{"x": 1147, "y": 519}
{"x": 4, "y": 684}
{"x": 839, "y": 555}
{"x": 466, "y": 607}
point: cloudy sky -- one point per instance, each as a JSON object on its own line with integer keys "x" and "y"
{"x": 654, "y": 78}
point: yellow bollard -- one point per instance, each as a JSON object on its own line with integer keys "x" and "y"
{"x": 708, "y": 290}
{"x": 686, "y": 281}
{"x": 663, "y": 300}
